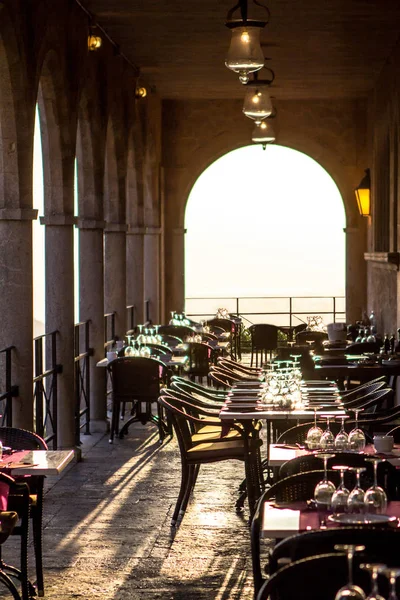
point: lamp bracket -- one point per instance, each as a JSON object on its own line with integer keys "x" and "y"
{"x": 242, "y": 5}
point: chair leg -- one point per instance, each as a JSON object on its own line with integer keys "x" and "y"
{"x": 184, "y": 481}
{"x": 8, "y": 582}
{"x": 189, "y": 488}
{"x": 114, "y": 419}
{"x": 37, "y": 541}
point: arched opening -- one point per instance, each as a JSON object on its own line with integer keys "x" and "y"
{"x": 265, "y": 224}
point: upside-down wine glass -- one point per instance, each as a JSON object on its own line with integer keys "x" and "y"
{"x": 374, "y": 569}
{"x": 128, "y": 349}
{"x": 392, "y": 574}
{"x": 350, "y": 590}
{"x": 324, "y": 491}
{"x": 327, "y": 441}
{"x": 342, "y": 439}
{"x": 341, "y": 495}
{"x": 375, "y": 498}
{"x": 357, "y": 439}
{"x": 314, "y": 434}
{"x": 355, "y": 502}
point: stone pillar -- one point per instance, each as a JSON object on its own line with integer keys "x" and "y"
{"x": 59, "y": 261}
{"x": 175, "y": 269}
{"x": 91, "y": 307}
{"x": 115, "y": 274}
{"x": 134, "y": 272}
{"x": 16, "y": 307}
{"x": 356, "y": 273}
{"x": 151, "y": 279}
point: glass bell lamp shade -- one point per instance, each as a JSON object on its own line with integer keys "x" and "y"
{"x": 94, "y": 42}
{"x": 257, "y": 102}
{"x": 263, "y": 133}
{"x": 363, "y": 195}
{"x": 245, "y": 54}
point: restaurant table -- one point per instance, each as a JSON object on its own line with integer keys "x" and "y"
{"x": 278, "y": 454}
{"x": 279, "y": 523}
{"x": 174, "y": 361}
{"x": 36, "y": 462}
{"x": 359, "y": 372}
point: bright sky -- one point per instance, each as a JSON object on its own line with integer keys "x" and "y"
{"x": 265, "y": 223}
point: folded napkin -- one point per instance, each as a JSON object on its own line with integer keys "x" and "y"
{"x": 280, "y": 522}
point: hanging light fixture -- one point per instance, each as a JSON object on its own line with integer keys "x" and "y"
{"x": 94, "y": 41}
{"x": 263, "y": 133}
{"x": 257, "y": 102}
{"x": 245, "y": 54}
{"x": 363, "y": 195}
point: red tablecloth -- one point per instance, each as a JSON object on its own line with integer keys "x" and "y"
{"x": 309, "y": 519}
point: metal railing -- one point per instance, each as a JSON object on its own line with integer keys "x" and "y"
{"x": 294, "y": 308}
{"x": 10, "y": 391}
{"x": 45, "y": 387}
{"x": 109, "y": 330}
{"x": 131, "y": 318}
{"x": 83, "y": 352}
{"x": 147, "y": 311}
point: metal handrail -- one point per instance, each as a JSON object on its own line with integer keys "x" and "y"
{"x": 109, "y": 331}
{"x": 131, "y": 317}
{"x": 293, "y": 314}
{"x": 11, "y": 391}
{"x": 45, "y": 397}
{"x": 82, "y": 379}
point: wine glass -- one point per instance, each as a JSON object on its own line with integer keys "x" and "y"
{"x": 314, "y": 434}
{"x": 342, "y": 439}
{"x": 350, "y": 590}
{"x": 374, "y": 570}
{"x": 355, "y": 502}
{"x": 324, "y": 490}
{"x": 375, "y": 498}
{"x": 327, "y": 441}
{"x": 392, "y": 574}
{"x": 128, "y": 349}
{"x": 357, "y": 439}
{"x": 341, "y": 495}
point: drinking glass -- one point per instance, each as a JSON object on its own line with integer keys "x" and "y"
{"x": 341, "y": 495}
{"x": 374, "y": 570}
{"x": 356, "y": 436}
{"x": 350, "y": 590}
{"x": 314, "y": 434}
{"x": 342, "y": 439}
{"x": 375, "y": 498}
{"x": 324, "y": 491}
{"x": 128, "y": 349}
{"x": 327, "y": 441}
{"x": 392, "y": 574}
{"x": 355, "y": 502}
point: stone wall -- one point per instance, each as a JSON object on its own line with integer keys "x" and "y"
{"x": 196, "y": 133}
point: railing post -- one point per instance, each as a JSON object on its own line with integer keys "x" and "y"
{"x": 56, "y": 371}
{"x": 39, "y": 386}
{"x": 290, "y": 311}
{"x": 334, "y": 309}
{"x": 88, "y": 352}
{"x": 237, "y": 306}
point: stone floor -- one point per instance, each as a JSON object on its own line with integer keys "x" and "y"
{"x": 107, "y": 527}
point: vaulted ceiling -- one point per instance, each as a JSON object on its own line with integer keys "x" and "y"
{"x": 317, "y": 48}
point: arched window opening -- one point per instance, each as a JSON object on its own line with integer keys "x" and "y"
{"x": 38, "y": 234}
{"x": 265, "y": 224}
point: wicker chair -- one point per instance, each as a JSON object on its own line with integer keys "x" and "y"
{"x": 137, "y": 380}
{"x": 185, "y": 421}
{"x": 22, "y": 439}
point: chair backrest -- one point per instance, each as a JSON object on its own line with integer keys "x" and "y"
{"x": 180, "y": 421}
{"x": 361, "y": 347}
{"x": 381, "y": 543}
{"x": 172, "y": 341}
{"x": 179, "y": 331}
{"x": 370, "y": 400}
{"x": 197, "y": 390}
{"x": 264, "y": 336}
{"x": 364, "y": 388}
{"x": 225, "y": 324}
{"x": 315, "y": 336}
{"x": 199, "y": 358}
{"x": 313, "y": 578}
{"x": 137, "y": 378}
{"x": 21, "y": 439}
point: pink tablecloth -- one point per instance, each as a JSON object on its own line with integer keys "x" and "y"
{"x": 309, "y": 518}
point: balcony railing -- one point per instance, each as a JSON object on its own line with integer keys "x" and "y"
{"x": 8, "y": 389}
{"x": 45, "y": 386}
{"x": 83, "y": 352}
{"x": 278, "y": 310}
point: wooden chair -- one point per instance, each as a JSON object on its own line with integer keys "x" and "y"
{"x": 264, "y": 341}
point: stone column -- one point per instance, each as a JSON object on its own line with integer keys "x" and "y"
{"x": 91, "y": 307}
{"x": 115, "y": 274}
{"x": 16, "y": 307}
{"x": 356, "y": 273}
{"x": 151, "y": 283}
{"x": 134, "y": 271}
{"x": 175, "y": 270}
{"x": 59, "y": 261}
